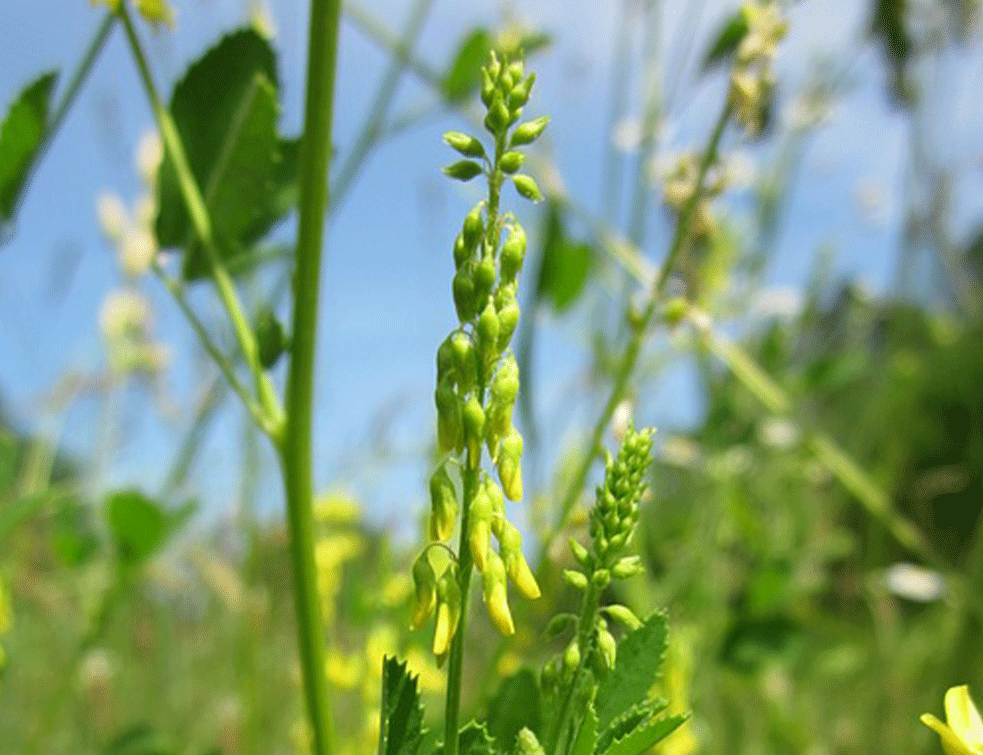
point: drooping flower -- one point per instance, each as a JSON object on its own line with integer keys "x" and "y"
{"x": 962, "y": 732}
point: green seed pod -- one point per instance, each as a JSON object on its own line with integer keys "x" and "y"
{"x": 474, "y": 426}
{"x": 575, "y": 579}
{"x": 607, "y": 646}
{"x": 511, "y": 161}
{"x": 496, "y": 595}
{"x": 571, "y": 657}
{"x": 510, "y": 546}
{"x": 448, "y": 612}
{"x": 462, "y": 253}
{"x": 513, "y": 253}
{"x": 462, "y": 349}
{"x": 425, "y": 591}
{"x": 449, "y": 416}
{"x": 623, "y": 615}
{"x": 464, "y": 298}
{"x": 497, "y": 119}
{"x": 527, "y": 744}
{"x": 466, "y": 144}
{"x": 474, "y": 227}
{"x": 527, "y": 187}
{"x": 463, "y": 170}
{"x": 443, "y": 505}
{"x": 581, "y": 554}
{"x": 527, "y": 133}
{"x": 487, "y": 331}
{"x": 484, "y": 279}
{"x": 510, "y": 465}
{"x": 627, "y": 567}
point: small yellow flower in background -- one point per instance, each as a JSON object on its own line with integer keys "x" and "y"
{"x": 157, "y": 12}
{"x": 962, "y": 732}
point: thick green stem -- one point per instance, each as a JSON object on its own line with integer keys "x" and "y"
{"x": 200, "y": 220}
{"x": 630, "y": 357}
{"x": 296, "y": 447}
{"x": 471, "y": 476}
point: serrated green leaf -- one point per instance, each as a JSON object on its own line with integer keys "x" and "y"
{"x": 565, "y": 265}
{"x": 630, "y": 720}
{"x": 475, "y": 740}
{"x": 464, "y": 73}
{"x": 586, "y": 739}
{"x": 644, "y": 737}
{"x": 401, "y": 713}
{"x": 226, "y": 110}
{"x": 635, "y": 671}
{"x": 21, "y": 137}
{"x": 516, "y": 705}
{"x": 726, "y": 41}
{"x": 140, "y": 526}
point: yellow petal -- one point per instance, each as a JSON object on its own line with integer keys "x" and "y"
{"x": 952, "y": 744}
{"x": 963, "y": 717}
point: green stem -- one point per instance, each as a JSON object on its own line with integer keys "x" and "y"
{"x": 296, "y": 446}
{"x": 272, "y": 420}
{"x": 471, "y": 478}
{"x": 223, "y": 363}
{"x": 630, "y": 357}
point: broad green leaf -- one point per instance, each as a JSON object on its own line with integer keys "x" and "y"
{"x": 635, "y": 670}
{"x": 630, "y": 720}
{"x": 475, "y": 740}
{"x": 564, "y": 264}
{"x": 586, "y": 738}
{"x": 401, "y": 713}
{"x": 888, "y": 27}
{"x": 21, "y": 137}
{"x": 644, "y": 737}
{"x": 226, "y": 110}
{"x": 516, "y": 705}
{"x": 726, "y": 41}
{"x": 464, "y": 73}
{"x": 140, "y": 526}
{"x": 74, "y": 538}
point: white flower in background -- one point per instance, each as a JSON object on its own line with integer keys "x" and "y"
{"x": 778, "y": 432}
{"x": 914, "y": 583}
{"x": 150, "y": 154}
{"x": 113, "y": 217}
{"x": 123, "y": 313}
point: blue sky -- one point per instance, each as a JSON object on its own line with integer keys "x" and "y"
{"x": 386, "y": 294}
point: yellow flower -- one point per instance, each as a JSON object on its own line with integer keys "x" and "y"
{"x": 962, "y": 732}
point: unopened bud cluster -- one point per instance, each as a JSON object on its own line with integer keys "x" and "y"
{"x": 680, "y": 184}
{"x": 753, "y": 77}
{"x": 611, "y": 525}
{"x": 477, "y": 375}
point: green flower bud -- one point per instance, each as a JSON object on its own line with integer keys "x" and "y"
{"x": 571, "y": 657}
{"x": 513, "y": 252}
{"x": 607, "y": 646}
{"x": 506, "y": 82}
{"x": 519, "y": 95}
{"x": 446, "y": 367}
{"x": 495, "y": 594}
{"x": 270, "y": 337}
{"x": 624, "y": 616}
{"x": 497, "y": 119}
{"x": 575, "y": 579}
{"x": 443, "y": 505}
{"x": 627, "y": 567}
{"x": 527, "y": 133}
{"x": 511, "y": 161}
{"x": 516, "y": 69}
{"x": 510, "y": 546}
{"x": 464, "y": 298}
{"x": 484, "y": 279}
{"x": 473, "y": 418}
{"x": 505, "y": 383}
{"x": 510, "y": 465}
{"x": 466, "y": 144}
{"x": 508, "y": 320}
{"x": 675, "y": 311}
{"x": 462, "y": 349}
{"x": 581, "y": 554}
{"x": 448, "y": 612}
{"x": 601, "y": 578}
{"x": 488, "y": 88}
{"x": 494, "y": 65}
{"x": 559, "y": 625}
{"x": 495, "y": 498}
{"x": 474, "y": 227}
{"x": 527, "y": 744}
{"x": 527, "y": 187}
{"x": 449, "y": 416}
{"x": 425, "y": 591}
{"x": 487, "y": 331}
{"x": 463, "y": 170}
{"x": 479, "y": 528}
{"x": 462, "y": 252}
